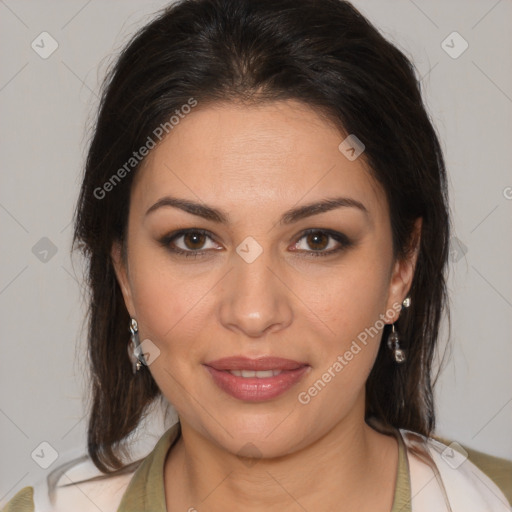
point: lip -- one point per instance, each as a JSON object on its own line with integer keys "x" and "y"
{"x": 260, "y": 363}
{"x": 255, "y": 389}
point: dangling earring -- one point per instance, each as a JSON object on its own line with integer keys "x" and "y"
{"x": 394, "y": 345}
{"x": 134, "y": 348}
{"x": 394, "y": 339}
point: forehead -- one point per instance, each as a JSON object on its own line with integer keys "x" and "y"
{"x": 266, "y": 156}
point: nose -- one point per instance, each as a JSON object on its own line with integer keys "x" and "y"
{"x": 256, "y": 298}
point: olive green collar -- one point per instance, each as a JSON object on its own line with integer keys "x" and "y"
{"x": 146, "y": 492}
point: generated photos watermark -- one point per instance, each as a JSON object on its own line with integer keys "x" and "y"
{"x": 137, "y": 156}
{"x": 304, "y": 397}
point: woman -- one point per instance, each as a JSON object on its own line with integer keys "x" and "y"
{"x": 264, "y": 208}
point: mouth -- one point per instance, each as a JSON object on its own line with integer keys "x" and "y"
{"x": 256, "y": 380}
{"x": 261, "y": 374}
{"x": 260, "y": 364}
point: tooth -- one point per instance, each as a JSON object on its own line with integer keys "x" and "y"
{"x": 261, "y": 374}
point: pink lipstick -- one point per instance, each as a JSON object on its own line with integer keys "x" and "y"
{"x": 256, "y": 380}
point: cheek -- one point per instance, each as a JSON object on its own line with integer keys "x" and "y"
{"x": 168, "y": 305}
{"x": 351, "y": 303}
{"x": 169, "y": 310}
{"x": 354, "y": 296}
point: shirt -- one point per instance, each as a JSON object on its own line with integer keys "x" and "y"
{"x": 143, "y": 490}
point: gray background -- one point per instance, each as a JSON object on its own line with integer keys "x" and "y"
{"x": 47, "y": 107}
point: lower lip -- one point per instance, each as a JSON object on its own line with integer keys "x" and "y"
{"x": 253, "y": 389}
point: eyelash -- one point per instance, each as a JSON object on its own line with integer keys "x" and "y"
{"x": 342, "y": 239}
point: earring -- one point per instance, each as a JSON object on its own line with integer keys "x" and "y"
{"x": 134, "y": 348}
{"x": 394, "y": 339}
{"x": 394, "y": 345}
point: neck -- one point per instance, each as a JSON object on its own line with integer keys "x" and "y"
{"x": 350, "y": 467}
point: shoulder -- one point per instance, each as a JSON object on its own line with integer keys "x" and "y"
{"x": 498, "y": 469}
{"x": 446, "y": 474}
{"x": 22, "y": 501}
{"x": 84, "y": 488}
{"x": 78, "y": 485}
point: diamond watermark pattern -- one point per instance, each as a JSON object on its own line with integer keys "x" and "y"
{"x": 249, "y": 454}
{"x": 44, "y": 455}
{"x": 351, "y": 147}
{"x": 454, "y": 45}
{"x": 249, "y": 249}
{"x": 454, "y": 455}
{"x": 150, "y": 351}
{"x": 457, "y": 249}
{"x": 44, "y": 45}
{"x": 44, "y": 250}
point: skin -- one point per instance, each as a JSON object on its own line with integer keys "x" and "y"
{"x": 255, "y": 163}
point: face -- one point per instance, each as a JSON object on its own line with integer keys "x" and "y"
{"x": 244, "y": 276}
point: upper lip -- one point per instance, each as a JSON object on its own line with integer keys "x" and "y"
{"x": 260, "y": 363}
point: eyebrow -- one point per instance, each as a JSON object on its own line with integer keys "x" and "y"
{"x": 288, "y": 217}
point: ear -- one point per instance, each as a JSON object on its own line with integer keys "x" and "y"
{"x": 403, "y": 272}
{"x": 121, "y": 271}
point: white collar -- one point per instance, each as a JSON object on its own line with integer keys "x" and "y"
{"x": 443, "y": 479}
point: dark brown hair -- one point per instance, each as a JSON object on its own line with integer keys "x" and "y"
{"x": 324, "y": 54}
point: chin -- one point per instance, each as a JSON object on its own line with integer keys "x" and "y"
{"x": 257, "y": 436}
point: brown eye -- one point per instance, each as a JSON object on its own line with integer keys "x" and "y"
{"x": 194, "y": 243}
{"x": 317, "y": 240}
{"x": 194, "y": 240}
{"x": 321, "y": 242}
{"x": 189, "y": 243}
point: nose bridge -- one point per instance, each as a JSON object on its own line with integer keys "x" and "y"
{"x": 255, "y": 299}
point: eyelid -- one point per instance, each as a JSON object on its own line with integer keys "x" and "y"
{"x": 166, "y": 241}
{"x": 330, "y": 232}
{"x": 343, "y": 240}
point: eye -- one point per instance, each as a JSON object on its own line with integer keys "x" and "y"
{"x": 189, "y": 242}
{"x": 318, "y": 240}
